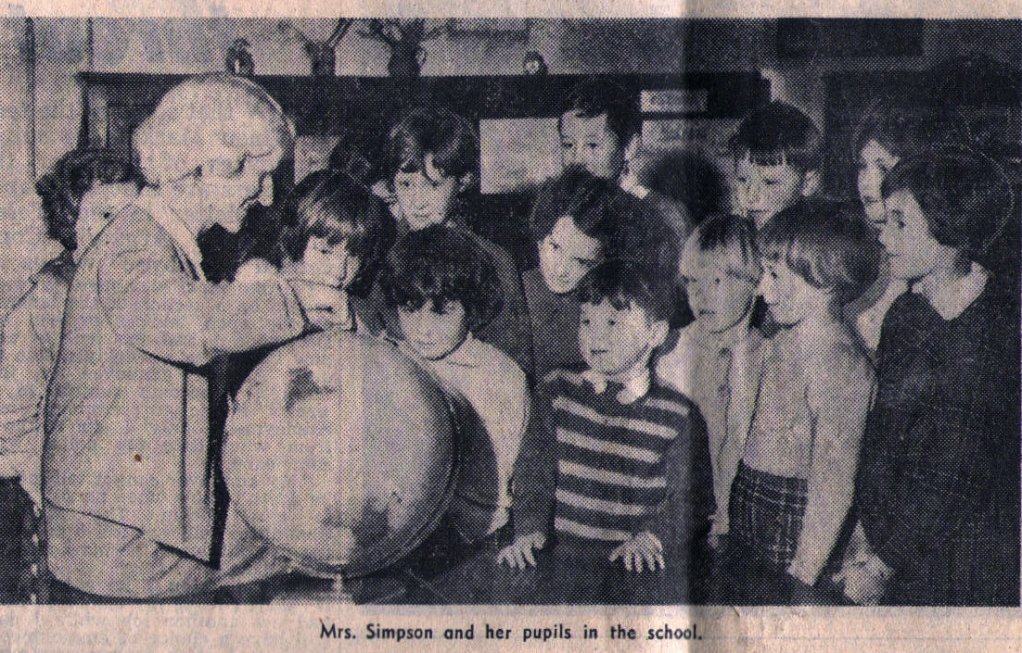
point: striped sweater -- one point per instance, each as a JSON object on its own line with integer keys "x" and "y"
{"x": 596, "y": 469}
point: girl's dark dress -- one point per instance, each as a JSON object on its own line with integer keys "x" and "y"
{"x": 938, "y": 486}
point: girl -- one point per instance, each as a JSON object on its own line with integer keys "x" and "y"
{"x": 336, "y": 233}
{"x": 84, "y": 190}
{"x": 886, "y": 134}
{"x": 445, "y": 288}
{"x": 938, "y": 491}
{"x": 794, "y": 484}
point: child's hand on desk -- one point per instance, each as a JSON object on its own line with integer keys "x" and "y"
{"x": 520, "y": 554}
{"x": 643, "y": 550}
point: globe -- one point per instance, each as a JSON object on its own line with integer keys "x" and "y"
{"x": 340, "y": 451}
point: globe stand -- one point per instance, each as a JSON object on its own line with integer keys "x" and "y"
{"x": 338, "y": 591}
{"x": 325, "y": 590}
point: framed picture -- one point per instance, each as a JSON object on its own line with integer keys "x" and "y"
{"x": 517, "y": 153}
{"x": 673, "y": 100}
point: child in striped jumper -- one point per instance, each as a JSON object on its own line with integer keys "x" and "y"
{"x": 612, "y": 463}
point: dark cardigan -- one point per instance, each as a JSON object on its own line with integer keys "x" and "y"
{"x": 938, "y": 487}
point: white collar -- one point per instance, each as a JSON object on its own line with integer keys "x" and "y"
{"x": 635, "y": 387}
{"x": 951, "y": 300}
{"x": 151, "y": 201}
{"x": 629, "y": 184}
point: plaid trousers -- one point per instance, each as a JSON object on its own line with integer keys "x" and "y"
{"x": 766, "y": 513}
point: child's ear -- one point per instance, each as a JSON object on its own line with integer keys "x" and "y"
{"x": 810, "y": 183}
{"x": 658, "y": 333}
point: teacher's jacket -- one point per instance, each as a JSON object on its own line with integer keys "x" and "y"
{"x": 127, "y": 412}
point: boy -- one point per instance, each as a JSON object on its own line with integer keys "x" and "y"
{"x": 794, "y": 485}
{"x": 621, "y": 465}
{"x": 431, "y": 158}
{"x": 715, "y": 354}
{"x": 601, "y": 129}
{"x": 778, "y": 152}
{"x": 444, "y": 289}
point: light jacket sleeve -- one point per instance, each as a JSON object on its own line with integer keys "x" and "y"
{"x": 150, "y": 300}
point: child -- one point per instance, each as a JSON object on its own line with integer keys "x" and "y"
{"x": 719, "y": 351}
{"x": 444, "y": 289}
{"x": 79, "y": 197}
{"x": 335, "y": 233}
{"x": 601, "y": 129}
{"x": 938, "y": 491}
{"x": 575, "y": 223}
{"x": 431, "y": 159}
{"x": 886, "y": 134}
{"x": 794, "y": 484}
{"x": 777, "y": 152}
{"x": 619, "y": 463}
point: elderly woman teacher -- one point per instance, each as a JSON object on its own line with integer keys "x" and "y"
{"x": 126, "y": 471}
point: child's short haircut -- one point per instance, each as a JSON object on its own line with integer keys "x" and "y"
{"x": 437, "y": 265}
{"x": 732, "y": 241}
{"x": 625, "y": 285}
{"x": 73, "y": 175}
{"x": 330, "y": 205}
{"x": 904, "y": 131}
{"x": 966, "y": 197}
{"x": 597, "y": 96}
{"x": 778, "y": 134}
{"x": 593, "y": 203}
{"x": 432, "y": 130}
{"x": 829, "y": 246}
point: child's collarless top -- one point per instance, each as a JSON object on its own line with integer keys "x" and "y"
{"x": 714, "y": 371}
{"x": 780, "y": 441}
{"x": 554, "y": 322}
{"x": 491, "y": 397}
{"x": 808, "y": 424}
